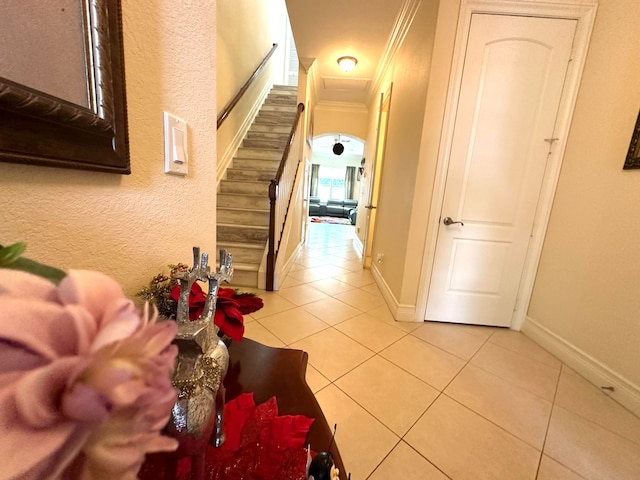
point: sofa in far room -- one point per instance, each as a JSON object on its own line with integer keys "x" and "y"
{"x": 334, "y": 208}
{"x": 316, "y": 207}
{"x": 341, "y": 208}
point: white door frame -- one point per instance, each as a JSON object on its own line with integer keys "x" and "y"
{"x": 375, "y": 175}
{"x": 584, "y": 12}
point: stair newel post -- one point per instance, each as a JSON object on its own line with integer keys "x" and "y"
{"x": 271, "y": 255}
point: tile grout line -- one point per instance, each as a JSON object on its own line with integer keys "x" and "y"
{"x": 440, "y": 393}
{"x": 546, "y": 432}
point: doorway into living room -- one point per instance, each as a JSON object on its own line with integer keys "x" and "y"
{"x": 334, "y": 187}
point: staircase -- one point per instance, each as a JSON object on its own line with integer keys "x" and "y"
{"x": 243, "y": 195}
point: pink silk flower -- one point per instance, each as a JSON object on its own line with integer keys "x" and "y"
{"x": 85, "y": 378}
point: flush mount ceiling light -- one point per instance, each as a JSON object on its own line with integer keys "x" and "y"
{"x": 347, "y": 63}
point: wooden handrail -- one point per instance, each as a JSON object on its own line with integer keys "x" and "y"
{"x": 287, "y": 149}
{"x": 227, "y": 109}
{"x": 273, "y": 196}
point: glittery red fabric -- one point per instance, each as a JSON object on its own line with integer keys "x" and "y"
{"x": 259, "y": 445}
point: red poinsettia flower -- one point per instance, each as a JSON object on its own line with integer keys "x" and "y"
{"x": 230, "y": 308}
{"x": 197, "y": 299}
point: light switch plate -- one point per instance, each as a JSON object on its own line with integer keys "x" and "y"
{"x": 176, "y": 141}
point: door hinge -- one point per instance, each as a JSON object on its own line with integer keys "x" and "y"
{"x": 551, "y": 141}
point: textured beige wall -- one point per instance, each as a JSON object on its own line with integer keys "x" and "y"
{"x": 243, "y": 39}
{"x": 340, "y": 118}
{"x": 131, "y": 226}
{"x": 398, "y": 182}
{"x": 443, "y": 44}
{"x": 588, "y": 282}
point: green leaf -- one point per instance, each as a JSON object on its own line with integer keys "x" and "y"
{"x": 10, "y": 257}
{"x": 10, "y": 254}
{"x": 52, "y": 274}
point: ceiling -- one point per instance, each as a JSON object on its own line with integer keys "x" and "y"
{"x": 325, "y": 30}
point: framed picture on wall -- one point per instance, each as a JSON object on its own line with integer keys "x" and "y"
{"x": 633, "y": 155}
{"x": 64, "y": 107}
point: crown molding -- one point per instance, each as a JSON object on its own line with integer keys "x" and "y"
{"x": 331, "y": 106}
{"x": 396, "y": 38}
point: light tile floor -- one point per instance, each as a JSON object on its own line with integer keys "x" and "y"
{"x": 437, "y": 401}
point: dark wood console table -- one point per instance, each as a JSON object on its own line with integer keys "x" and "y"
{"x": 280, "y": 372}
{"x": 266, "y": 372}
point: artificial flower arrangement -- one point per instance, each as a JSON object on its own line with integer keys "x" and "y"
{"x": 163, "y": 291}
{"x": 85, "y": 376}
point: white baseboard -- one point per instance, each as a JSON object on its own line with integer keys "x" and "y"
{"x": 625, "y": 392}
{"x": 402, "y": 313}
{"x": 280, "y": 275}
{"x": 357, "y": 244}
{"x": 225, "y": 160}
{"x": 262, "y": 270}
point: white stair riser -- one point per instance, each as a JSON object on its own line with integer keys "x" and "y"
{"x": 245, "y": 255}
{"x": 241, "y": 234}
{"x": 255, "y": 164}
{"x": 272, "y": 120}
{"x": 290, "y": 109}
{"x": 257, "y": 153}
{"x": 284, "y": 90}
{"x": 266, "y": 143}
{"x": 260, "y": 202}
{"x": 261, "y": 175}
{"x": 280, "y": 102}
{"x": 244, "y": 278}
{"x": 279, "y": 136}
{"x": 249, "y": 188}
{"x": 243, "y": 217}
{"x": 281, "y": 117}
{"x": 270, "y": 129}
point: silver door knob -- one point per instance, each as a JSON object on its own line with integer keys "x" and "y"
{"x": 450, "y": 221}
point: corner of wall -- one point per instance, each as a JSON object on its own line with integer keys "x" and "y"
{"x": 624, "y": 391}
{"x": 401, "y": 313}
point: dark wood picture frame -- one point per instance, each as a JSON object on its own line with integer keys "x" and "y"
{"x": 40, "y": 129}
{"x": 633, "y": 155}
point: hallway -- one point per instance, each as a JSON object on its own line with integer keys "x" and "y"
{"x": 436, "y": 401}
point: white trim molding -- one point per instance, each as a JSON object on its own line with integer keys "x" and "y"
{"x": 624, "y": 392}
{"x": 396, "y": 38}
{"x": 340, "y": 107}
{"x": 357, "y": 244}
{"x": 402, "y": 313}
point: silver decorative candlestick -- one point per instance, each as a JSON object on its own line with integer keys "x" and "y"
{"x": 201, "y": 365}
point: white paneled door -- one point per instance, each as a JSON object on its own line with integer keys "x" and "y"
{"x": 512, "y": 83}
